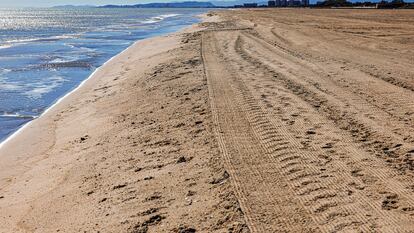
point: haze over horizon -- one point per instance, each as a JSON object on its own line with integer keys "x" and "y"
{"x": 49, "y": 3}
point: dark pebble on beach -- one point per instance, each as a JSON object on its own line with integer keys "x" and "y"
{"x": 84, "y": 138}
{"x": 310, "y": 132}
{"x": 182, "y": 159}
{"x": 148, "y": 178}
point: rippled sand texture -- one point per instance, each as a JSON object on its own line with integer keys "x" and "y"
{"x": 314, "y": 114}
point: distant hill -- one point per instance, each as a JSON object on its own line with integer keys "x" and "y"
{"x": 166, "y": 5}
{"x": 72, "y": 6}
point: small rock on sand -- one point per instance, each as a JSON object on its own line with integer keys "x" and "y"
{"x": 148, "y": 178}
{"x": 182, "y": 159}
{"x": 221, "y": 179}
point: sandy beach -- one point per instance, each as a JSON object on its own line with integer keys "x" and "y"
{"x": 277, "y": 120}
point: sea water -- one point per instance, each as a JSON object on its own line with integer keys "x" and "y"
{"x": 46, "y": 53}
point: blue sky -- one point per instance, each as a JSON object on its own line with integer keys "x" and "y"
{"x": 41, "y": 3}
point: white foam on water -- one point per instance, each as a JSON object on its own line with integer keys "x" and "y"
{"x": 159, "y": 18}
{"x": 169, "y": 15}
{"x": 26, "y": 40}
{"x": 6, "y": 46}
{"x": 16, "y": 42}
{"x": 38, "y": 92}
{"x": 4, "y": 70}
{"x": 39, "y": 89}
{"x": 63, "y": 59}
{"x": 17, "y": 115}
{"x": 10, "y": 86}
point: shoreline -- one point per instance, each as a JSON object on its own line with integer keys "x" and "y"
{"x": 55, "y": 103}
{"x": 130, "y": 144}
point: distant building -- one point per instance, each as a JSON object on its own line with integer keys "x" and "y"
{"x": 250, "y": 5}
{"x": 294, "y": 3}
{"x": 297, "y": 3}
{"x": 277, "y": 3}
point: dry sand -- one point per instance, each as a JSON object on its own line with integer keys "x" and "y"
{"x": 291, "y": 120}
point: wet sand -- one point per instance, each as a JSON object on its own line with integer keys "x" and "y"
{"x": 290, "y": 120}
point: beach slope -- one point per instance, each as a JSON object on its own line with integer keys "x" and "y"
{"x": 131, "y": 150}
{"x": 314, "y": 111}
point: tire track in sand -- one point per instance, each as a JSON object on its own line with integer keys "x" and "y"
{"x": 271, "y": 168}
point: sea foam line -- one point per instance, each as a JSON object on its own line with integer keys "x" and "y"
{"x": 159, "y": 18}
{"x": 9, "y": 138}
